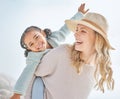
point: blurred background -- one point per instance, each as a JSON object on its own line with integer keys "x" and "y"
{"x": 17, "y": 15}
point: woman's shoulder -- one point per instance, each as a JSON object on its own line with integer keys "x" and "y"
{"x": 59, "y": 51}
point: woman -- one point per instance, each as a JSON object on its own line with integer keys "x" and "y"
{"x": 70, "y": 72}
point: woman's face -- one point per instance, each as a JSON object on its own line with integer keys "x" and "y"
{"x": 35, "y": 41}
{"x": 84, "y": 39}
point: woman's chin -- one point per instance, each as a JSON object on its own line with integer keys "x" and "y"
{"x": 78, "y": 48}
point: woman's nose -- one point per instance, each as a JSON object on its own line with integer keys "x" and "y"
{"x": 77, "y": 34}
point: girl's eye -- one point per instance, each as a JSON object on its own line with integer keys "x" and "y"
{"x": 31, "y": 44}
{"x": 36, "y": 37}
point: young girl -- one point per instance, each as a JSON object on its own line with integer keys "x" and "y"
{"x": 36, "y": 40}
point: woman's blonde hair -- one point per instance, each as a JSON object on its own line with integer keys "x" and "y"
{"x": 103, "y": 72}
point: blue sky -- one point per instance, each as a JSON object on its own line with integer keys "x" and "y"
{"x": 16, "y": 15}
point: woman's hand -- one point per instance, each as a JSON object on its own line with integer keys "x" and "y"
{"x": 82, "y": 8}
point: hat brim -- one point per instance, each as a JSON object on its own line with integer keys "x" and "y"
{"x": 72, "y": 24}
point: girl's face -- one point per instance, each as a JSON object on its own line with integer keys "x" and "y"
{"x": 85, "y": 39}
{"x": 35, "y": 41}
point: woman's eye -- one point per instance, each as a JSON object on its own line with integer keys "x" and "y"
{"x": 83, "y": 31}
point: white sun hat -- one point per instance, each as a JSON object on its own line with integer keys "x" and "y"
{"x": 95, "y": 21}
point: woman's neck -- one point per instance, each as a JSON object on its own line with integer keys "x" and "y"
{"x": 88, "y": 58}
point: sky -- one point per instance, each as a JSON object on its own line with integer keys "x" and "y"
{"x": 17, "y": 15}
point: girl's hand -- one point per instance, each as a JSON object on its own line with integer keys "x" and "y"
{"x": 82, "y": 8}
{"x": 15, "y": 96}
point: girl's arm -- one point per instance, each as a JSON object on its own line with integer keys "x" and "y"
{"x": 23, "y": 82}
{"x": 59, "y": 36}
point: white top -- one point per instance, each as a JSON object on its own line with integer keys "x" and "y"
{"x": 60, "y": 77}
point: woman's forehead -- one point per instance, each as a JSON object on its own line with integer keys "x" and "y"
{"x": 80, "y": 26}
{"x": 83, "y": 26}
